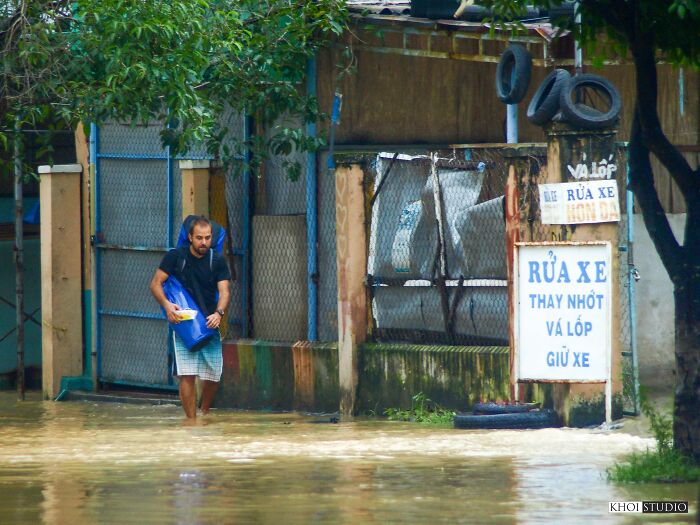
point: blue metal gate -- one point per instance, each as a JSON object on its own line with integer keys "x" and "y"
{"x": 138, "y": 212}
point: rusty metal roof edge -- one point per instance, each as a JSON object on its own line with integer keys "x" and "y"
{"x": 442, "y": 24}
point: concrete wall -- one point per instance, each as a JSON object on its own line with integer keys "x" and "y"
{"x": 655, "y": 308}
{"x": 304, "y": 376}
{"x": 32, "y": 301}
{"x": 261, "y": 375}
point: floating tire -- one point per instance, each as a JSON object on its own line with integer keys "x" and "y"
{"x": 545, "y": 102}
{"x": 580, "y": 113}
{"x": 495, "y": 408}
{"x": 524, "y": 420}
{"x": 513, "y": 74}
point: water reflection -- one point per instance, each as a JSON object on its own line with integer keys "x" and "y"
{"x": 83, "y": 463}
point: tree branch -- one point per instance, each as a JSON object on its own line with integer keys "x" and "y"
{"x": 650, "y": 125}
{"x": 655, "y": 220}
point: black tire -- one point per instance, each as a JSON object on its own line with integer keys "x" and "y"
{"x": 545, "y": 102}
{"x": 494, "y": 408}
{"x": 582, "y": 115}
{"x": 533, "y": 419}
{"x": 472, "y": 13}
{"x": 513, "y": 74}
{"x": 564, "y": 11}
{"x": 419, "y": 8}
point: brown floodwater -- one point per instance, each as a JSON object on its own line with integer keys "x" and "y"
{"x": 85, "y": 463}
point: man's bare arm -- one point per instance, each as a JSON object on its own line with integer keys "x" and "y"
{"x": 224, "y": 294}
{"x": 157, "y": 290}
{"x": 214, "y": 320}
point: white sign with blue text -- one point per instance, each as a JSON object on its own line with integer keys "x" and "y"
{"x": 579, "y": 202}
{"x": 563, "y": 311}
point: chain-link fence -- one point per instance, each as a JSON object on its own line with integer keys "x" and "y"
{"x": 135, "y": 212}
{"x": 437, "y": 252}
{"x": 279, "y": 252}
{"x": 436, "y": 260}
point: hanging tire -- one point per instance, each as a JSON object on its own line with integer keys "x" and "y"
{"x": 534, "y": 419}
{"x": 583, "y": 114}
{"x": 545, "y": 102}
{"x": 513, "y": 74}
{"x": 495, "y": 408}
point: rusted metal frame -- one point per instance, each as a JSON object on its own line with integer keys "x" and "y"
{"x": 382, "y": 181}
{"x": 458, "y": 294}
{"x": 412, "y": 282}
{"x": 546, "y": 60}
{"x": 441, "y": 254}
{"x": 453, "y": 35}
{"x": 560, "y": 381}
{"x": 438, "y": 54}
{"x": 106, "y": 246}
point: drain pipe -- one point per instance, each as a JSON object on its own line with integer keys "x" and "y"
{"x": 94, "y": 217}
{"x": 512, "y": 123}
{"x": 311, "y": 215}
{"x": 578, "y": 52}
{"x": 633, "y": 277}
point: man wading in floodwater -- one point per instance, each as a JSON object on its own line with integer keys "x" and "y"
{"x": 196, "y": 266}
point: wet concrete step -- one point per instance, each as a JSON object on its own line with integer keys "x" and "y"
{"x": 135, "y": 398}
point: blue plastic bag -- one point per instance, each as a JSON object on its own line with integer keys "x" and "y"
{"x": 194, "y": 333}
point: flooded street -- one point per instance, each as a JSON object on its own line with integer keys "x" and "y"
{"x": 86, "y": 463}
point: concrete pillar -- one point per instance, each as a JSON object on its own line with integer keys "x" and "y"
{"x": 566, "y": 149}
{"x": 520, "y": 170}
{"x": 195, "y": 187}
{"x": 219, "y": 213}
{"x": 351, "y": 243}
{"x": 61, "y": 309}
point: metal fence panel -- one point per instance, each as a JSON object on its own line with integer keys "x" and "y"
{"x": 327, "y": 264}
{"x": 279, "y": 278}
{"x": 132, "y": 141}
{"x": 134, "y": 351}
{"x": 124, "y": 280}
{"x": 133, "y": 207}
{"x": 139, "y": 210}
{"x": 437, "y": 259}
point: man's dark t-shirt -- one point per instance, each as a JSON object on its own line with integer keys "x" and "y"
{"x": 197, "y": 271}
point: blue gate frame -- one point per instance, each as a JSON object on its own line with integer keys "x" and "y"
{"x": 242, "y": 251}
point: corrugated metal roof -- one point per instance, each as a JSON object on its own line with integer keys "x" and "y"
{"x": 385, "y": 7}
{"x": 398, "y": 13}
{"x": 444, "y": 11}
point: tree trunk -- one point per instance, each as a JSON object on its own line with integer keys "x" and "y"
{"x": 686, "y": 409}
{"x": 681, "y": 262}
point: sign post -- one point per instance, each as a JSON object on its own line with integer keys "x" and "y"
{"x": 563, "y": 314}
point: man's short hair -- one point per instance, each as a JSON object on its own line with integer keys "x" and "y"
{"x": 199, "y": 221}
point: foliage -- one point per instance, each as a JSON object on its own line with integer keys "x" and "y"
{"x": 663, "y": 465}
{"x": 423, "y": 410}
{"x": 674, "y": 24}
{"x": 185, "y": 63}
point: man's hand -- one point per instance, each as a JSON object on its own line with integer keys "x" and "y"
{"x": 214, "y": 320}
{"x": 171, "y": 310}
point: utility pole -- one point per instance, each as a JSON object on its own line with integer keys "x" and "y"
{"x": 19, "y": 257}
